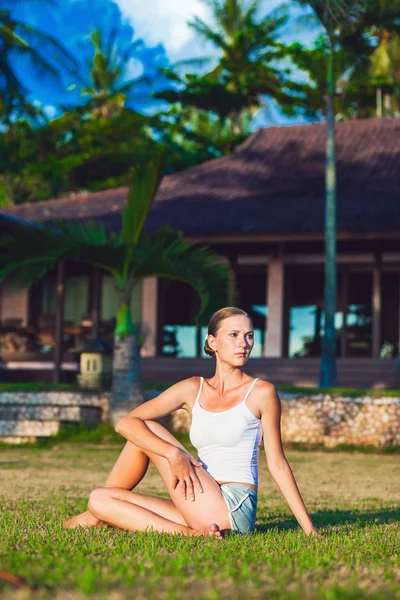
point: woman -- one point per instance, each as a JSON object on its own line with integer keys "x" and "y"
{"x": 217, "y": 493}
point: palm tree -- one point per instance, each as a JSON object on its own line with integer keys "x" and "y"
{"x": 331, "y": 14}
{"x": 103, "y": 80}
{"x": 21, "y": 41}
{"x": 381, "y": 23}
{"x": 245, "y": 72}
{"x": 130, "y": 256}
{"x": 373, "y": 40}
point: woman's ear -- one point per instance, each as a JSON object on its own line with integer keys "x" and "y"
{"x": 211, "y": 343}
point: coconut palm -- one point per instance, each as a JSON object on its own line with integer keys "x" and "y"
{"x": 380, "y": 24}
{"x": 245, "y": 73}
{"x": 104, "y": 79}
{"x": 21, "y": 41}
{"x": 130, "y": 256}
{"x": 331, "y": 14}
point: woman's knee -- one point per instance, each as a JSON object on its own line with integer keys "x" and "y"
{"x": 97, "y": 501}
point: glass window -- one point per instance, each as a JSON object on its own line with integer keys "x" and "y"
{"x": 305, "y": 294}
{"x": 110, "y": 300}
{"x": 76, "y": 298}
{"x": 390, "y": 315}
{"x": 179, "y": 335}
{"x": 359, "y": 315}
{"x": 179, "y": 305}
{"x": 251, "y": 288}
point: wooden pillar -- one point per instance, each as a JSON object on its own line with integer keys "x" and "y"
{"x": 149, "y": 315}
{"x": 14, "y": 303}
{"x": 275, "y": 298}
{"x": 398, "y": 347}
{"x": 59, "y": 324}
{"x": 232, "y": 281}
{"x": 95, "y": 293}
{"x": 376, "y": 307}
{"x": 344, "y": 303}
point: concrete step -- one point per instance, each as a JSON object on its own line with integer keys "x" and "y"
{"x": 352, "y": 372}
{"x": 28, "y": 428}
{"x": 11, "y": 412}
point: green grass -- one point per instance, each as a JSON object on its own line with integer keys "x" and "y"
{"x": 104, "y": 433}
{"x": 161, "y": 386}
{"x": 351, "y": 497}
{"x": 39, "y": 386}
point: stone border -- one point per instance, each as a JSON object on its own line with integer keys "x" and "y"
{"x": 331, "y": 420}
{"x": 315, "y": 419}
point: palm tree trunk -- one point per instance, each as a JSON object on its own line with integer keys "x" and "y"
{"x": 379, "y": 102}
{"x": 127, "y": 391}
{"x": 328, "y": 372}
{"x": 59, "y": 324}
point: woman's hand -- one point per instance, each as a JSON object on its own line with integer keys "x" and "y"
{"x": 183, "y": 474}
{"x": 314, "y": 532}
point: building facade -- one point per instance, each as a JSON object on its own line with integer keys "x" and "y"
{"x": 262, "y": 210}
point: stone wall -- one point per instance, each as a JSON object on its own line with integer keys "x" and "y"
{"x": 25, "y": 416}
{"x": 328, "y": 420}
{"x": 317, "y": 419}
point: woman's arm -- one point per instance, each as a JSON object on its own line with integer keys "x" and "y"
{"x": 133, "y": 427}
{"x": 278, "y": 466}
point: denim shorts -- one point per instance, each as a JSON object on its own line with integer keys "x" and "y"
{"x": 241, "y": 501}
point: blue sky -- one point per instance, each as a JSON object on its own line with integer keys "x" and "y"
{"x": 161, "y": 24}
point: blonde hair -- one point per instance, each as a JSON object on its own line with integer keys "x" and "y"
{"x": 216, "y": 320}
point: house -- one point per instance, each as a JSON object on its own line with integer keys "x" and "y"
{"x": 262, "y": 210}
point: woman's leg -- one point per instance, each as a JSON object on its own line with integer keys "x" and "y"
{"x": 128, "y": 471}
{"x": 137, "y": 512}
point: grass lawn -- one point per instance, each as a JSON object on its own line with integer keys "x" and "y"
{"x": 352, "y": 497}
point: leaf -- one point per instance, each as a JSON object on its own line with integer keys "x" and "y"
{"x": 166, "y": 254}
{"x": 145, "y": 180}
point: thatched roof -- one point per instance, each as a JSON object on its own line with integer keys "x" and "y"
{"x": 272, "y": 184}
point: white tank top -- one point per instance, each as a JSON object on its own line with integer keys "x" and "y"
{"x": 227, "y": 442}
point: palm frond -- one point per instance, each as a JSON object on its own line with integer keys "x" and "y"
{"x": 34, "y": 249}
{"x": 207, "y": 33}
{"x": 332, "y": 13}
{"x": 166, "y": 254}
{"x": 145, "y": 181}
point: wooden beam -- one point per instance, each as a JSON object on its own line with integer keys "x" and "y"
{"x": 252, "y": 238}
{"x": 59, "y": 323}
{"x": 307, "y": 259}
{"x": 376, "y": 308}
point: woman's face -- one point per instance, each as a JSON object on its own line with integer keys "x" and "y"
{"x": 234, "y": 340}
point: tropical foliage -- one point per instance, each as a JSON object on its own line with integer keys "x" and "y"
{"x": 225, "y": 99}
{"x": 92, "y": 145}
{"x": 70, "y": 154}
{"x": 129, "y": 255}
{"x": 367, "y": 55}
{"x": 31, "y": 47}
{"x": 103, "y": 79}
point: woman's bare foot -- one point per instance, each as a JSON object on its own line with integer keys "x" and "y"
{"x": 85, "y": 519}
{"x": 214, "y": 531}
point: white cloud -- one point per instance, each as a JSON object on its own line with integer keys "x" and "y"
{"x": 165, "y": 21}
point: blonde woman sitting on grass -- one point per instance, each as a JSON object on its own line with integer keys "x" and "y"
{"x": 215, "y": 493}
